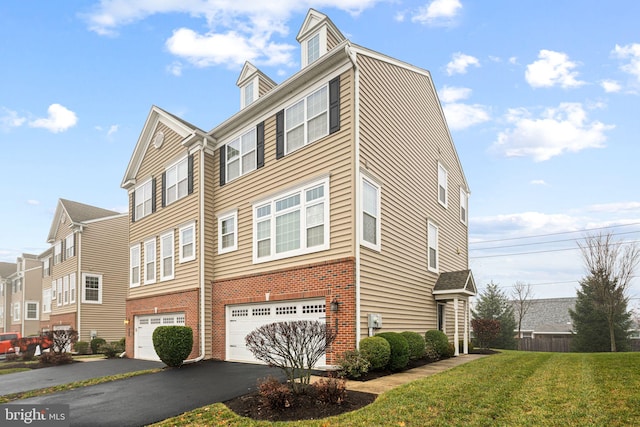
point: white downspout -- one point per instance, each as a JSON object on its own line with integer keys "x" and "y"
{"x": 79, "y": 290}
{"x": 205, "y": 144}
{"x": 356, "y": 101}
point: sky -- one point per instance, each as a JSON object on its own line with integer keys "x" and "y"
{"x": 541, "y": 98}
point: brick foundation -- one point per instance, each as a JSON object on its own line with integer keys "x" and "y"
{"x": 185, "y": 301}
{"x": 67, "y": 319}
{"x": 329, "y": 279}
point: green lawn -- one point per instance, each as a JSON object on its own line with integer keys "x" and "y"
{"x": 511, "y": 388}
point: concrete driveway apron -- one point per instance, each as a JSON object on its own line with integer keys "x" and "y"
{"x": 151, "y": 398}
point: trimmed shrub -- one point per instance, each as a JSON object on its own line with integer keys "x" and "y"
{"x": 331, "y": 390}
{"x": 399, "y": 350}
{"x": 112, "y": 349}
{"x": 353, "y": 364}
{"x": 96, "y": 343}
{"x": 81, "y": 347}
{"x": 451, "y": 350}
{"x": 416, "y": 344}
{"x": 173, "y": 344}
{"x": 53, "y": 358}
{"x": 376, "y": 350}
{"x": 274, "y": 394}
{"x": 439, "y": 342}
{"x": 430, "y": 351}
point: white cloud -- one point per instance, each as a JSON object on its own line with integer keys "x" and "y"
{"x": 538, "y": 182}
{"x": 438, "y": 12}
{"x": 513, "y": 60}
{"x": 10, "y": 119}
{"x": 611, "y": 86}
{"x": 33, "y": 202}
{"x": 231, "y": 49}
{"x": 615, "y": 207}
{"x": 557, "y": 131}
{"x": 175, "y": 68}
{"x": 461, "y": 116}
{"x": 59, "y": 119}
{"x": 552, "y": 69}
{"x": 460, "y": 63}
{"x": 632, "y": 53}
{"x": 399, "y": 17}
{"x": 453, "y": 94}
{"x": 112, "y": 129}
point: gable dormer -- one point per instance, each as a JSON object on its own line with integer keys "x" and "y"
{"x": 253, "y": 84}
{"x": 317, "y": 36}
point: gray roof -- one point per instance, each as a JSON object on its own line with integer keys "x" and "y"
{"x": 455, "y": 281}
{"x": 79, "y": 212}
{"x": 548, "y": 315}
{"x": 7, "y": 268}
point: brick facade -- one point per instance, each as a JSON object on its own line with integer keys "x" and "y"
{"x": 329, "y": 279}
{"x": 185, "y": 301}
{"x": 66, "y": 319}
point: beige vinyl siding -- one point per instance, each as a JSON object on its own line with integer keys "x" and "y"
{"x": 105, "y": 251}
{"x": 263, "y": 87}
{"x": 331, "y": 155}
{"x": 168, "y": 218}
{"x": 332, "y": 40}
{"x": 65, "y": 268}
{"x": 403, "y": 136}
{"x": 210, "y": 247}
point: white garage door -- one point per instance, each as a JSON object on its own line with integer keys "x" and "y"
{"x": 145, "y": 325}
{"x": 242, "y": 319}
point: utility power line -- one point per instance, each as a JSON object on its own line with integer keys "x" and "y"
{"x": 542, "y": 243}
{"x": 544, "y": 251}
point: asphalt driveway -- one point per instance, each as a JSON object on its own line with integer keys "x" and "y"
{"x": 150, "y": 398}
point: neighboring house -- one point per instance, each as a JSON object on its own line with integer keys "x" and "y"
{"x": 336, "y": 195}
{"x": 6, "y": 270}
{"x": 25, "y": 294}
{"x": 88, "y": 271}
{"x": 46, "y": 258}
{"x": 547, "y": 324}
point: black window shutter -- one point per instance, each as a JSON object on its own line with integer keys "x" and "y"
{"x": 74, "y": 245}
{"x": 133, "y": 206}
{"x": 334, "y": 105}
{"x": 190, "y": 174}
{"x": 164, "y": 189}
{"x": 153, "y": 195}
{"x": 280, "y": 134}
{"x": 260, "y": 145}
{"x": 62, "y": 249}
{"x": 223, "y": 164}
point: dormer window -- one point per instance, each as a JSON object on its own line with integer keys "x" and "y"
{"x": 313, "y": 48}
{"x": 248, "y": 94}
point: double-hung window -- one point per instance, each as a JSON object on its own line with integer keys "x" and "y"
{"x": 166, "y": 256}
{"x": 292, "y": 224}
{"x": 432, "y": 243}
{"x": 241, "y": 155}
{"x": 31, "y": 310}
{"x": 72, "y": 288}
{"x": 464, "y": 206}
{"x": 227, "y": 234}
{"x": 313, "y": 48}
{"x": 150, "y": 261}
{"x": 91, "y": 288}
{"x": 370, "y": 228}
{"x": 187, "y": 242}
{"x": 46, "y": 300}
{"x": 69, "y": 246}
{"x": 53, "y": 289}
{"x": 442, "y": 185}
{"x": 65, "y": 289}
{"x": 143, "y": 196}
{"x": 16, "y": 312}
{"x": 134, "y": 266}
{"x": 59, "y": 291}
{"x": 57, "y": 252}
{"x": 177, "y": 179}
{"x": 46, "y": 268}
{"x": 307, "y": 120}
{"x": 248, "y": 93}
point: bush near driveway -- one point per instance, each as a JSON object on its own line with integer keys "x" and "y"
{"x": 507, "y": 389}
{"x": 376, "y": 350}
{"x": 399, "y": 350}
{"x": 173, "y": 344}
{"x": 416, "y": 344}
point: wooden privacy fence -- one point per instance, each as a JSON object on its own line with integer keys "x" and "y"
{"x": 546, "y": 343}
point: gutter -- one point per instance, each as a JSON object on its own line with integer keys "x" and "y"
{"x": 205, "y": 145}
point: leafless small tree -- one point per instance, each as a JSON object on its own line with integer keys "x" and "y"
{"x": 610, "y": 265}
{"x": 522, "y": 295}
{"x": 294, "y": 346}
{"x": 62, "y": 340}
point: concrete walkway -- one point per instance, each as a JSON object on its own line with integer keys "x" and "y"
{"x": 382, "y": 384}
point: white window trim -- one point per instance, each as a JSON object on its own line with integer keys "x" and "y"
{"x": 141, "y": 201}
{"x": 65, "y": 290}
{"x": 243, "y": 99}
{"x": 72, "y": 288}
{"x": 163, "y": 276}
{"x": 134, "y": 280}
{"x": 84, "y": 288}
{"x": 178, "y": 181}
{"x": 464, "y": 204}
{"x": 322, "y": 46}
{"x": 378, "y": 245}
{"x": 241, "y": 155}
{"x": 148, "y": 281}
{"x": 221, "y": 218}
{"x": 182, "y": 258}
{"x": 26, "y": 312}
{"x": 430, "y": 245}
{"x": 445, "y": 186}
{"x": 16, "y": 312}
{"x": 69, "y": 250}
{"x": 303, "y": 237}
{"x": 46, "y": 300}
{"x": 306, "y": 119}
{"x": 46, "y": 267}
{"x": 59, "y": 291}
{"x": 53, "y": 290}
{"x": 57, "y": 252}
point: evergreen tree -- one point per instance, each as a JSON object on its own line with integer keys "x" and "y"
{"x": 494, "y": 304}
{"x": 590, "y": 326}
